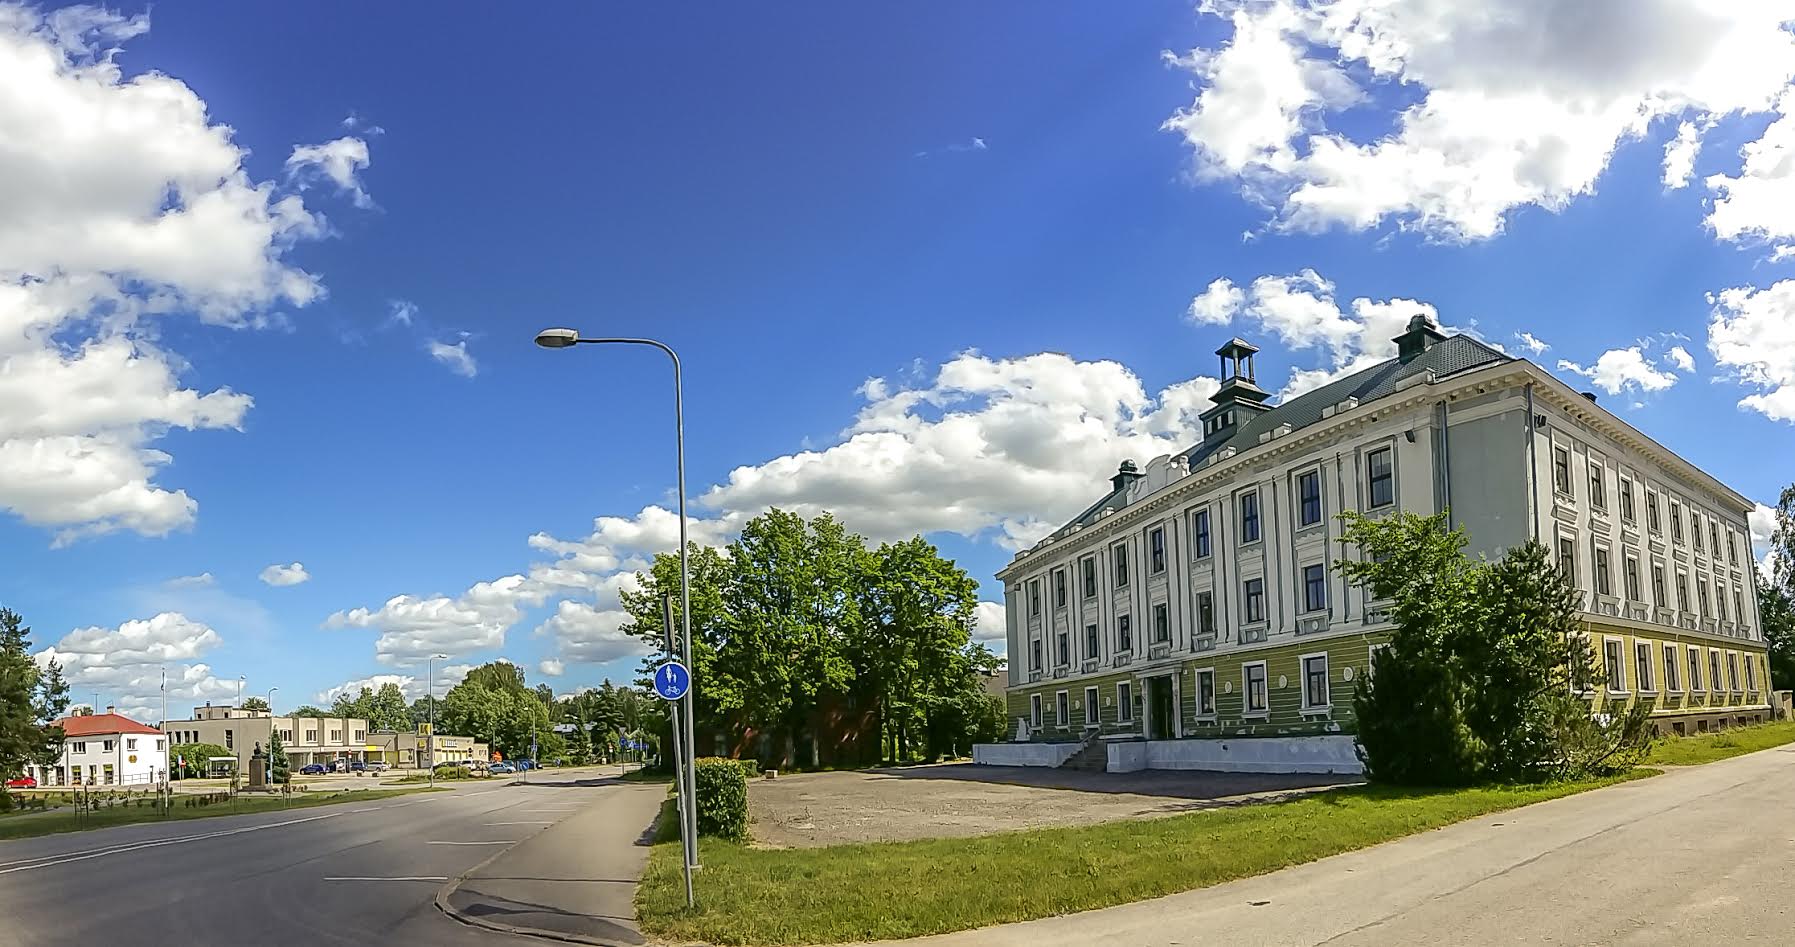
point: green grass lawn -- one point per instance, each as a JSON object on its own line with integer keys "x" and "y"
{"x": 908, "y": 889}
{"x": 1708, "y": 747}
{"x": 27, "y": 825}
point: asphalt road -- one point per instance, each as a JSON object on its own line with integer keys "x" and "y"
{"x": 341, "y": 874}
{"x": 1698, "y": 855}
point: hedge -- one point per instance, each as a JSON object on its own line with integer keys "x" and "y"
{"x": 721, "y": 787}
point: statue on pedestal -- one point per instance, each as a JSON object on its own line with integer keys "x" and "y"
{"x": 258, "y": 769}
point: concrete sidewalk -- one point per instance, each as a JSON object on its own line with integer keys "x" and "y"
{"x": 1698, "y": 855}
{"x": 576, "y": 881}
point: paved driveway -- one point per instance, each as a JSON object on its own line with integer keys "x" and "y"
{"x": 1699, "y": 855}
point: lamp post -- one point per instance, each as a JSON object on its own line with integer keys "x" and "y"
{"x": 241, "y": 680}
{"x": 560, "y": 338}
{"x": 430, "y": 701}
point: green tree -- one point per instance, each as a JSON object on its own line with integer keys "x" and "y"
{"x": 387, "y": 709}
{"x": 493, "y": 703}
{"x": 912, "y": 653}
{"x": 189, "y": 760}
{"x": 418, "y": 712}
{"x": 32, "y": 698}
{"x": 546, "y": 694}
{"x": 308, "y": 710}
{"x": 1776, "y": 613}
{"x": 358, "y": 706}
{"x": 255, "y": 703}
{"x": 278, "y": 765}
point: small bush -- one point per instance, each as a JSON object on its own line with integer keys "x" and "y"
{"x": 750, "y": 768}
{"x": 721, "y": 788}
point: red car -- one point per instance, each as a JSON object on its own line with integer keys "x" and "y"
{"x": 23, "y": 782}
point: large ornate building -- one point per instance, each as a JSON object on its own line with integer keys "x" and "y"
{"x": 1196, "y": 598}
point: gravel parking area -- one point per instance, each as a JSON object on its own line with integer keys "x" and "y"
{"x": 961, "y": 799}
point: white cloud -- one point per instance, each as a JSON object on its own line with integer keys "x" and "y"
{"x": 413, "y": 628}
{"x": 988, "y": 625}
{"x": 280, "y": 575}
{"x": 340, "y": 162}
{"x": 1533, "y": 345}
{"x": 551, "y": 667}
{"x": 1751, "y": 332}
{"x": 1680, "y": 357}
{"x": 1762, "y": 522}
{"x": 124, "y": 665}
{"x": 1759, "y": 202}
{"x": 1680, "y": 154}
{"x": 1301, "y": 311}
{"x": 401, "y": 312}
{"x": 411, "y": 687}
{"x": 1487, "y": 108}
{"x": 192, "y": 581}
{"x": 1616, "y": 369}
{"x": 589, "y": 635}
{"x": 124, "y": 205}
{"x": 455, "y": 356}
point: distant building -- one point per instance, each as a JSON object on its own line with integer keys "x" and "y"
{"x": 106, "y": 749}
{"x": 323, "y": 740}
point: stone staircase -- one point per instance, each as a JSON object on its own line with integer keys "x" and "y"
{"x": 1093, "y": 757}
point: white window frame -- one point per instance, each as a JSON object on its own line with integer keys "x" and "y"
{"x": 1643, "y": 676}
{"x": 1673, "y": 676}
{"x": 1618, "y": 662}
{"x": 1198, "y": 605}
{"x": 1240, "y": 517}
{"x": 1124, "y": 701}
{"x": 1197, "y": 689}
{"x": 1327, "y": 683}
{"x": 1202, "y": 532}
{"x": 1093, "y": 714}
{"x": 1093, "y": 642}
{"x": 1303, "y": 574}
{"x": 1696, "y": 671}
{"x": 1119, "y": 572}
{"x": 1566, "y": 485}
{"x": 1062, "y": 709}
{"x": 1158, "y": 562}
{"x": 1124, "y": 622}
{"x": 1751, "y": 673}
{"x": 1035, "y": 716}
{"x": 1370, "y": 480}
{"x": 1714, "y": 672}
{"x": 1162, "y": 610}
{"x": 1246, "y": 597}
{"x": 1246, "y": 689}
{"x": 1087, "y": 590}
{"x": 1732, "y": 672}
{"x": 1321, "y": 504}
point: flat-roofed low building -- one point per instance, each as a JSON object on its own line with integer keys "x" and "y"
{"x": 324, "y": 740}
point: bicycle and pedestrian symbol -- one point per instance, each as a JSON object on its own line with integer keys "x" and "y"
{"x": 672, "y": 680}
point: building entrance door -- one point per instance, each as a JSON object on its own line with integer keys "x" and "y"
{"x": 1159, "y": 695}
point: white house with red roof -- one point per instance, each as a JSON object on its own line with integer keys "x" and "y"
{"x": 107, "y": 749}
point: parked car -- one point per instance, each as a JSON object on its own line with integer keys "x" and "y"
{"x": 23, "y": 782}
{"x": 312, "y": 769}
{"x": 376, "y": 767}
{"x": 497, "y": 768}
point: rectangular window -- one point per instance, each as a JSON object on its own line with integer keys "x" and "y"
{"x": 1315, "y": 681}
{"x": 1034, "y": 711}
{"x": 1714, "y": 681}
{"x": 1695, "y": 669}
{"x": 1617, "y": 672}
{"x": 1732, "y": 547}
{"x": 1676, "y": 523}
{"x": 1124, "y": 633}
{"x": 1124, "y": 702}
{"x": 1162, "y": 626}
{"x": 1751, "y": 673}
{"x": 1695, "y": 528}
{"x": 1714, "y": 535}
{"x": 311, "y": 736}
{"x": 1701, "y": 594}
{"x": 1088, "y": 568}
{"x": 1632, "y": 569}
{"x": 130, "y": 744}
{"x": 1200, "y": 529}
{"x": 1156, "y": 546}
{"x": 1090, "y": 642}
{"x": 1651, "y": 512}
{"x": 1720, "y": 600}
{"x": 1034, "y": 598}
{"x": 1308, "y": 495}
{"x": 336, "y": 736}
{"x": 1682, "y": 591}
{"x": 1561, "y": 469}
{"x": 1642, "y": 665}
{"x": 1598, "y": 496}
{"x": 1253, "y": 604}
{"x": 1059, "y": 588}
{"x": 1567, "y": 558}
{"x": 1092, "y": 713}
{"x": 1626, "y": 500}
{"x": 1380, "y": 478}
{"x": 1120, "y": 553}
{"x": 1732, "y": 670}
{"x": 1601, "y": 560}
{"x": 1672, "y": 669}
{"x": 1249, "y": 517}
{"x": 1315, "y": 588}
{"x": 228, "y": 738}
{"x": 1205, "y": 613}
{"x": 1062, "y": 709}
{"x": 108, "y": 745}
{"x": 1253, "y": 676}
{"x": 1206, "y": 692}
{"x": 1738, "y": 605}
{"x": 1034, "y": 664}
{"x": 1065, "y": 650}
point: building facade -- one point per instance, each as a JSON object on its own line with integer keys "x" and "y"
{"x": 324, "y": 740}
{"x": 1197, "y": 598}
{"x": 106, "y": 749}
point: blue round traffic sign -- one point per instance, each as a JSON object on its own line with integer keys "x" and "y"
{"x": 672, "y": 680}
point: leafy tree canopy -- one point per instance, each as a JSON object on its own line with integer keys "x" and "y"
{"x": 255, "y": 703}
{"x": 32, "y": 698}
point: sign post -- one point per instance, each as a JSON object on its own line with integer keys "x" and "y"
{"x": 673, "y": 681}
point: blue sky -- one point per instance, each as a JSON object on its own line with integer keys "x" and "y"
{"x": 983, "y": 209}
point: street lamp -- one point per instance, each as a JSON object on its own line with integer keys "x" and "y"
{"x": 561, "y": 338}
{"x": 430, "y": 701}
{"x": 241, "y": 680}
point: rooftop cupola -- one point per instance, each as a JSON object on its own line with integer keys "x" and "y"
{"x": 1421, "y": 335}
{"x": 1125, "y": 475}
{"x": 1239, "y": 397}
